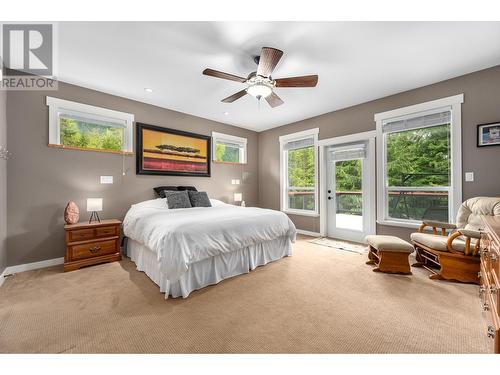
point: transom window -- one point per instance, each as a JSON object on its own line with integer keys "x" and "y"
{"x": 80, "y": 126}
{"x": 299, "y": 155}
{"x": 419, "y": 163}
{"x": 229, "y": 148}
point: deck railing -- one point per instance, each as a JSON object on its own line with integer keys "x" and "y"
{"x": 404, "y": 203}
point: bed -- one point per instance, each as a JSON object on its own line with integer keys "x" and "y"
{"x": 182, "y": 250}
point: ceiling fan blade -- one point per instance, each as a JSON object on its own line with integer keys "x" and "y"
{"x": 269, "y": 58}
{"x": 274, "y": 100}
{"x": 217, "y": 74}
{"x": 235, "y": 97}
{"x": 304, "y": 81}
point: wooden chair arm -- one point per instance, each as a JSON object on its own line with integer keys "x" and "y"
{"x": 468, "y": 234}
{"x": 451, "y": 238}
{"x": 435, "y": 225}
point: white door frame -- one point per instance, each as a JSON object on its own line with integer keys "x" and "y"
{"x": 323, "y": 144}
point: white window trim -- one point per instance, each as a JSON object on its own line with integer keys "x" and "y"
{"x": 232, "y": 138}
{"x": 56, "y": 105}
{"x": 283, "y": 194}
{"x": 455, "y": 191}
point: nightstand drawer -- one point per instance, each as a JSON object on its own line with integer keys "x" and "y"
{"x": 81, "y": 235}
{"x": 94, "y": 249}
{"x": 107, "y": 231}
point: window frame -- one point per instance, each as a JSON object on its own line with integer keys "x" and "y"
{"x": 230, "y": 138}
{"x": 284, "y": 139}
{"x": 122, "y": 119}
{"x": 454, "y": 104}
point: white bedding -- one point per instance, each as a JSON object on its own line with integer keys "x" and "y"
{"x": 180, "y": 237}
{"x": 208, "y": 271}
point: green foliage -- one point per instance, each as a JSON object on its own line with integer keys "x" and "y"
{"x": 88, "y": 135}
{"x": 421, "y": 151}
{"x": 227, "y": 153}
{"x": 301, "y": 167}
{"x": 348, "y": 175}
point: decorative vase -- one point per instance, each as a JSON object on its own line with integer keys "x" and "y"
{"x": 71, "y": 213}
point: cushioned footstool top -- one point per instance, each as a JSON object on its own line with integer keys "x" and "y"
{"x": 389, "y": 243}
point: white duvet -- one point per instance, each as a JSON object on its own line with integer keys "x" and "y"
{"x": 184, "y": 236}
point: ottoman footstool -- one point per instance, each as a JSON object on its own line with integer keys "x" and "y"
{"x": 389, "y": 254}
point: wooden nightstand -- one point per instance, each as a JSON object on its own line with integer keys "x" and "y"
{"x": 88, "y": 244}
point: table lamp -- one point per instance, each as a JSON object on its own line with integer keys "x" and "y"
{"x": 238, "y": 197}
{"x": 94, "y": 205}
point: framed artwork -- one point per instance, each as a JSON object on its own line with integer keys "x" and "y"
{"x": 488, "y": 134}
{"x": 162, "y": 151}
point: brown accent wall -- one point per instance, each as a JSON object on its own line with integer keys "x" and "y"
{"x": 41, "y": 180}
{"x": 481, "y": 105}
{"x": 3, "y": 182}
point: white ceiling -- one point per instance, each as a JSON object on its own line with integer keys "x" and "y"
{"x": 356, "y": 62}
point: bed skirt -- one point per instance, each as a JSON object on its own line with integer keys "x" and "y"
{"x": 208, "y": 271}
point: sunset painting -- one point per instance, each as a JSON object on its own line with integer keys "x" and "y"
{"x": 172, "y": 152}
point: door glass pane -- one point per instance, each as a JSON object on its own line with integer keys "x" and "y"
{"x": 348, "y": 194}
{"x": 418, "y": 173}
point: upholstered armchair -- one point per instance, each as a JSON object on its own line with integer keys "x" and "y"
{"x": 452, "y": 251}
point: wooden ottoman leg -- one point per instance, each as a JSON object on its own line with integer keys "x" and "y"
{"x": 372, "y": 258}
{"x": 393, "y": 262}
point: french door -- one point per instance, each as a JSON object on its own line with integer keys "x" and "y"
{"x": 350, "y": 188}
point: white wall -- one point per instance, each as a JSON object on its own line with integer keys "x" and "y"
{"x": 3, "y": 182}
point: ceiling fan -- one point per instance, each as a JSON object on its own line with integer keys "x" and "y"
{"x": 260, "y": 84}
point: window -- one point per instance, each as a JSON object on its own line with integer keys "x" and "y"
{"x": 299, "y": 157}
{"x": 229, "y": 148}
{"x": 85, "y": 127}
{"x": 419, "y": 162}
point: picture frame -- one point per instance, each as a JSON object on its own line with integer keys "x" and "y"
{"x": 172, "y": 152}
{"x": 488, "y": 134}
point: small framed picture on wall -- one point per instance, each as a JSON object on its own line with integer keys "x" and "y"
{"x": 488, "y": 134}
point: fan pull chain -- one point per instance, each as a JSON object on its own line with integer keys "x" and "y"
{"x": 123, "y": 164}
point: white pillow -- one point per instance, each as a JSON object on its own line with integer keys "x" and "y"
{"x": 153, "y": 203}
{"x": 216, "y": 203}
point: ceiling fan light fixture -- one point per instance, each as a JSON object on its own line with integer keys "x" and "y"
{"x": 260, "y": 89}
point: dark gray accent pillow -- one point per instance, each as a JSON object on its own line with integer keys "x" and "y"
{"x": 199, "y": 199}
{"x": 190, "y": 188}
{"x": 160, "y": 190}
{"x": 177, "y": 199}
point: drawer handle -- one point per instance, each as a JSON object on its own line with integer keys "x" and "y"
{"x": 95, "y": 249}
{"x": 485, "y": 306}
{"x": 491, "y": 332}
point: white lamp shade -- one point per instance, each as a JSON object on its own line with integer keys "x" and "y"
{"x": 94, "y": 204}
{"x": 238, "y": 197}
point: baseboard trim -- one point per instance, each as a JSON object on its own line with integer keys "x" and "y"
{"x": 2, "y": 276}
{"x": 30, "y": 266}
{"x": 308, "y": 233}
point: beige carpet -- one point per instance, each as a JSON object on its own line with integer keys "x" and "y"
{"x": 318, "y": 301}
